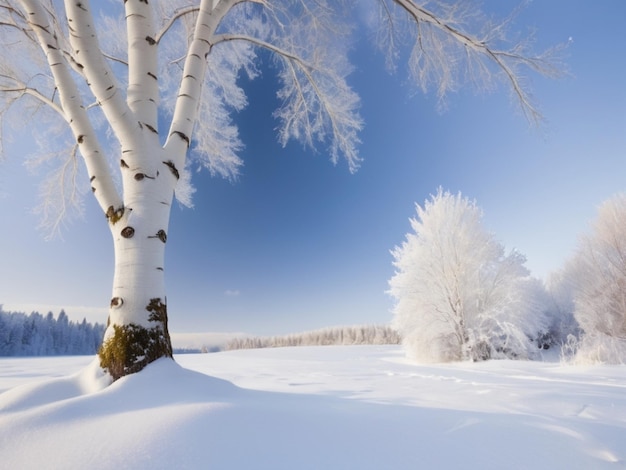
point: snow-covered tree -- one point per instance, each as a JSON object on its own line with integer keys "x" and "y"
{"x": 120, "y": 88}
{"x": 597, "y": 276}
{"x": 458, "y": 295}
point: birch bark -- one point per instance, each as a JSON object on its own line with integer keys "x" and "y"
{"x": 137, "y": 332}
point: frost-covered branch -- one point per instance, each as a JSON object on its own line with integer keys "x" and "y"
{"x": 60, "y": 194}
{"x": 313, "y": 108}
{"x": 71, "y": 108}
{"x": 439, "y": 34}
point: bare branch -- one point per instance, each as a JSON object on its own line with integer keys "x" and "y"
{"x": 182, "y": 12}
{"x": 115, "y": 59}
{"x": 21, "y": 88}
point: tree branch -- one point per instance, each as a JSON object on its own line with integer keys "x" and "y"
{"x": 100, "y": 78}
{"x": 194, "y": 70}
{"x": 500, "y": 58}
{"x": 297, "y": 63}
{"x": 22, "y": 89}
{"x": 72, "y": 109}
{"x": 143, "y": 85}
{"x": 171, "y": 21}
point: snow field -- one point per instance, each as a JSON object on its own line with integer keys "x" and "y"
{"x": 313, "y": 407}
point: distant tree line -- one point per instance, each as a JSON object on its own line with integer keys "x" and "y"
{"x": 39, "y": 335}
{"x": 341, "y": 335}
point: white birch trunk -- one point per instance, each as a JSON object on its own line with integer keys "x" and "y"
{"x": 137, "y": 331}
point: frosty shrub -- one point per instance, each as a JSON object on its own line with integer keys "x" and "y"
{"x": 458, "y": 296}
{"x": 597, "y": 273}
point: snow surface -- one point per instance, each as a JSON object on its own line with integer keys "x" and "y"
{"x": 344, "y": 407}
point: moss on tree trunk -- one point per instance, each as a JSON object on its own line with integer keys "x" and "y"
{"x": 132, "y": 347}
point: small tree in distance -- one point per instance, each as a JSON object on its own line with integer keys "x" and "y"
{"x": 121, "y": 95}
{"x": 458, "y": 296}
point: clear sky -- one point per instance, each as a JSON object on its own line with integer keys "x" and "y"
{"x": 297, "y": 243}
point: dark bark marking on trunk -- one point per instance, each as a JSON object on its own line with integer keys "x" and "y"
{"x": 150, "y": 40}
{"x": 150, "y": 74}
{"x": 150, "y": 128}
{"x": 173, "y": 169}
{"x": 161, "y": 235}
{"x": 141, "y": 176}
{"x": 41, "y": 27}
{"x": 117, "y": 302}
{"x": 128, "y": 232}
{"x": 80, "y": 139}
{"x": 123, "y": 164}
{"x": 182, "y": 136}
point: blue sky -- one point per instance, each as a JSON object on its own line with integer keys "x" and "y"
{"x": 297, "y": 243}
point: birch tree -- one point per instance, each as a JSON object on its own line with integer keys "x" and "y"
{"x": 130, "y": 94}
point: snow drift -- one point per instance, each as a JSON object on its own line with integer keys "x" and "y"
{"x": 314, "y": 407}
